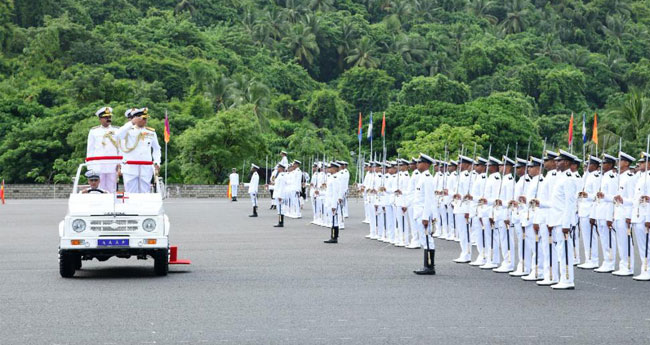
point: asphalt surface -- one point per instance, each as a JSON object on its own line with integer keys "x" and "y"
{"x": 250, "y": 283}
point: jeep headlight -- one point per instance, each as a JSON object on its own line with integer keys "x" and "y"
{"x": 78, "y": 225}
{"x": 149, "y": 225}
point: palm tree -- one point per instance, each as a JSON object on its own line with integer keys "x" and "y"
{"x": 348, "y": 36}
{"x": 615, "y": 28}
{"x": 185, "y": 5}
{"x": 551, "y": 48}
{"x": 424, "y": 10}
{"x": 578, "y": 57}
{"x": 517, "y": 12}
{"x": 302, "y": 43}
{"x": 293, "y": 11}
{"x": 480, "y": 9}
{"x": 321, "y": 5}
{"x": 633, "y": 116}
{"x": 457, "y": 35}
{"x": 363, "y": 55}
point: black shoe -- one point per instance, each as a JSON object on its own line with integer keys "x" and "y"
{"x": 426, "y": 271}
{"x": 252, "y": 215}
{"x": 331, "y": 240}
{"x": 429, "y": 263}
{"x": 279, "y": 225}
{"x": 254, "y": 212}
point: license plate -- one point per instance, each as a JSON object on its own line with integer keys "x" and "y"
{"x": 120, "y": 242}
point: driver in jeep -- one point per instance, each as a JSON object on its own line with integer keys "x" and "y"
{"x": 93, "y": 182}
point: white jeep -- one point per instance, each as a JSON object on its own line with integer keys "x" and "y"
{"x": 102, "y": 225}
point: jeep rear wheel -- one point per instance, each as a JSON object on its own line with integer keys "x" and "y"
{"x": 67, "y": 265}
{"x": 161, "y": 263}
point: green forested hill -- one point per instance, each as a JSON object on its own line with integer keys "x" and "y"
{"x": 242, "y": 79}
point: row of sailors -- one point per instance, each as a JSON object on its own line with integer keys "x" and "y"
{"x": 329, "y": 194}
{"x": 486, "y": 206}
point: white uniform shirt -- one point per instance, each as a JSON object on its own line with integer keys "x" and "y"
{"x": 544, "y": 196}
{"x": 563, "y": 201}
{"x": 281, "y": 187}
{"x": 102, "y": 142}
{"x": 590, "y": 186}
{"x": 626, "y": 184}
{"x": 462, "y": 188}
{"x": 141, "y": 144}
{"x": 254, "y": 183}
{"x": 604, "y": 208}
{"x": 528, "y": 214}
{"x": 423, "y": 198}
{"x": 640, "y": 212}
{"x": 234, "y": 179}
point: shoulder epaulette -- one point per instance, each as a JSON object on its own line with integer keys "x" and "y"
{"x": 151, "y": 129}
{"x": 96, "y": 127}
{"x": 630, "y": 173}
{"x": 527, "y": 179}
{"x": 568, "y": 173}
{"x": 497, "y": 177}
{"x": 554, "y": 173}
{"x": 427, "y": 174}
{"x": 510, "y": 177}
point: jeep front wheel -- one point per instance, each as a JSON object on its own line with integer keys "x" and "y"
{"x": 161, "y": 263}
{"x": 67, "y": 265}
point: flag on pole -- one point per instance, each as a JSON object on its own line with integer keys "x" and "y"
{"x": 370, "y": 127}
{"x": 167, "y": 132}
{"x": 383, "y": 125}
{"x": 571, "y": 130}
{"x": 229, "y": 191}
{"x": 360, "y": 133}
{"x": 584, "y": 128}
{"x": 594, "y": 135}
{"x": 2, "y": 191}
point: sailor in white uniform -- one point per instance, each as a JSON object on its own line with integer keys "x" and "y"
{"x": 102, "y": 143}
{"x": 424, "y": 212}
{"x": 139, "y": 144}
{"x": 253, "y": 186}
{"x": 234, "y": 184}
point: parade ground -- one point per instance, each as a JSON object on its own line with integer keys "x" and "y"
{"x": 251, "y": 283}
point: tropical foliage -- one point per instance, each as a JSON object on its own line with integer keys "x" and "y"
{"x": 243, "y": 79}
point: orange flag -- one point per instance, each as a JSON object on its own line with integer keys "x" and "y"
{"x": 2, "y": 191}
{"x": 594, "y": 136}
{"x": 571, "y": 131}
{"x": 229, "y": 191}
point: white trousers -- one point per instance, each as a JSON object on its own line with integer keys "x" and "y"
{"x": 589, "y": 240}
{"x": 233, "y": 190}
{"x": 402, "y": 220}
{"x": 465, "y": 235}
{"x": 492, "y": 241}
{"x": 137, "y": 184}
{"x": 507, "y": 243}
{"x": 625, "y": 245}
{"x": 480, "y": 236}
{"x": 641, "y": 233}
{"x": 523, "y": 247}
{"x": 550, "y": 257}
{"x": 108, "y": 182}
{"x": 564, "y": 254}
{"x": 253, "y": 199}
{"x": 389, "y": 222}
{"x": 534, "y": 246}
{"x": 426, "y": 240}
{"x": 608, "y": 242}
